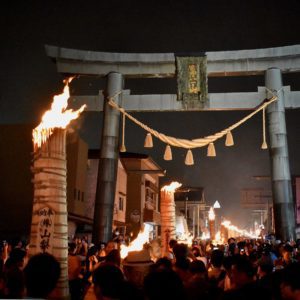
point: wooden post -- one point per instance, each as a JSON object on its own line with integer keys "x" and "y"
{"x": 108, "y": 163}
{"x": 168, "y": 219}
{"x": 49, "y": 227}
{"x": 280, "y": 170}
{"x": 211, "y": 223}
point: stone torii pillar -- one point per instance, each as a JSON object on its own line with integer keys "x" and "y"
{"x": 280, "y": 169}
{"x": 108, "y": 162}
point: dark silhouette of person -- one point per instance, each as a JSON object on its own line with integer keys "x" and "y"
{"x": 41, "y": 275}
{"x": 164, "y": 284}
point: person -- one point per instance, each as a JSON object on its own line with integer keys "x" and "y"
{"x": 242, "y": 272}
{"x": 163, "y": 284}
{"x": 13, "y": 274}
{"x": 74, "y": 270}
{"x": 108, "y": 282}
{"x": 286, "y": 258}
{"x": 216, "y": 272}
{"x": 170, "y": 254}
{"x": 181, "y": 266}
{"x": 111, "y": 245}
{"x": 41, "y": 275}
{"x": 290, "y": 283}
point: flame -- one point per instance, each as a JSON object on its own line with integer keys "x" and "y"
{"x": 171, "y": 187}
{"x": 186, "y": 239}
{"x": 211, "y": 214}
{"x": 205, "y": 236}
{"x": 57, "y": 117}
{"x": 218, "y": 239}
{"x": 138, "y": 243}
{"x": 242, "y": 232}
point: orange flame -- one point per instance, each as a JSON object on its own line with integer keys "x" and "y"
{"x": 138, "y": 243}
{"x": 218, "y": 239}
{"x": 211, "y": 214}
{"x": 57, "y": 117}
{"x": 241, "y": 232}
{"x": 171, "y": 187}
{"x": 205, "y": 236}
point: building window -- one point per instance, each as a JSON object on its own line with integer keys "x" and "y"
{"x": 121, "y": 203}
{"x": 150, "y": 201}
{"x": 82, "y": 196}
{"x": 78, "y": 195}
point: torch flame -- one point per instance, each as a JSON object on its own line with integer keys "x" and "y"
{"x": 205, "y": 236}
{"x": 218, "y": 239}
{"x": 57, "y": 117}
{"x": 241, "y": 232}
{"x": 171, "y": 187}
{"x": 211, "y": 214}
{"x": 138, "y": 243}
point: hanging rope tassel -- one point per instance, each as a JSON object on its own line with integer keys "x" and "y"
{"x": 148, "y": 141}
{"x": 264, "y": 143}
{"x": 123, "y": 147}
{"x": 229, "y": 139}
{"x": 211, "y": 151}
{"x": 189, "y": 159}
{"x": 168, "y": 153}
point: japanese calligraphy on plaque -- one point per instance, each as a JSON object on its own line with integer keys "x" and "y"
{"x": 191, "y": 80}
{"x": 45, "y": 229}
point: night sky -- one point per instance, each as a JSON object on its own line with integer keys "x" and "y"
{"x": 29, "y": 78}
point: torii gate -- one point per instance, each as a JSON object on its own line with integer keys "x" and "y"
{"x": 117, "y": 66}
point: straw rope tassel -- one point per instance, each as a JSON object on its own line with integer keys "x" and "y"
{"x": 229, "y": 139}
{"x": 123, "y": 147}
{"x": 148, "y": 141}
{"x": 211, "y": 151}
{"x": 264, "y": 143}
{"x": 189, "y": 159}
{"x": 168, "y": 153}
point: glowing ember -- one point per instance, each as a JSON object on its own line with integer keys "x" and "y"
{"x": 211, "y": 214}
{"x": 57, "y": 117}
{"x": 138, "y": 243}
{"x": 241, "y": 232}
{"x": 171, "y": 187}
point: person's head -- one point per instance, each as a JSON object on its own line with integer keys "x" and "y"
{"x": 114, "y": 257}
{"x": 162, "y": 263}
{"x": 108, "y": 282}
{"x": 110, "y": 246}
{"x": 287, "y": 253}
{"x": 290, "y": 283}
{"x": 265, "y": 265}
{"x": 180, "y": 251}
{"x": 72, "y": 248}
{"x": 242, "y": 272}
{"x": 16, "y": 258}
{"x": 198, "y": 267}
{"x": 41, "y": 275}
{"x": 181, "y": 254}
{"x": 217, "y": 258}
{"x": 196, "y": 251}
{"x": 172, "y": 243}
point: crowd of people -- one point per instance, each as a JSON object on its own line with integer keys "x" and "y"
{"x": 239, "y": 269}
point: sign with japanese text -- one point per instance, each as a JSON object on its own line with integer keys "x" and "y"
{"x": 192, "y": 80}
{"x": 45, "y": 229}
